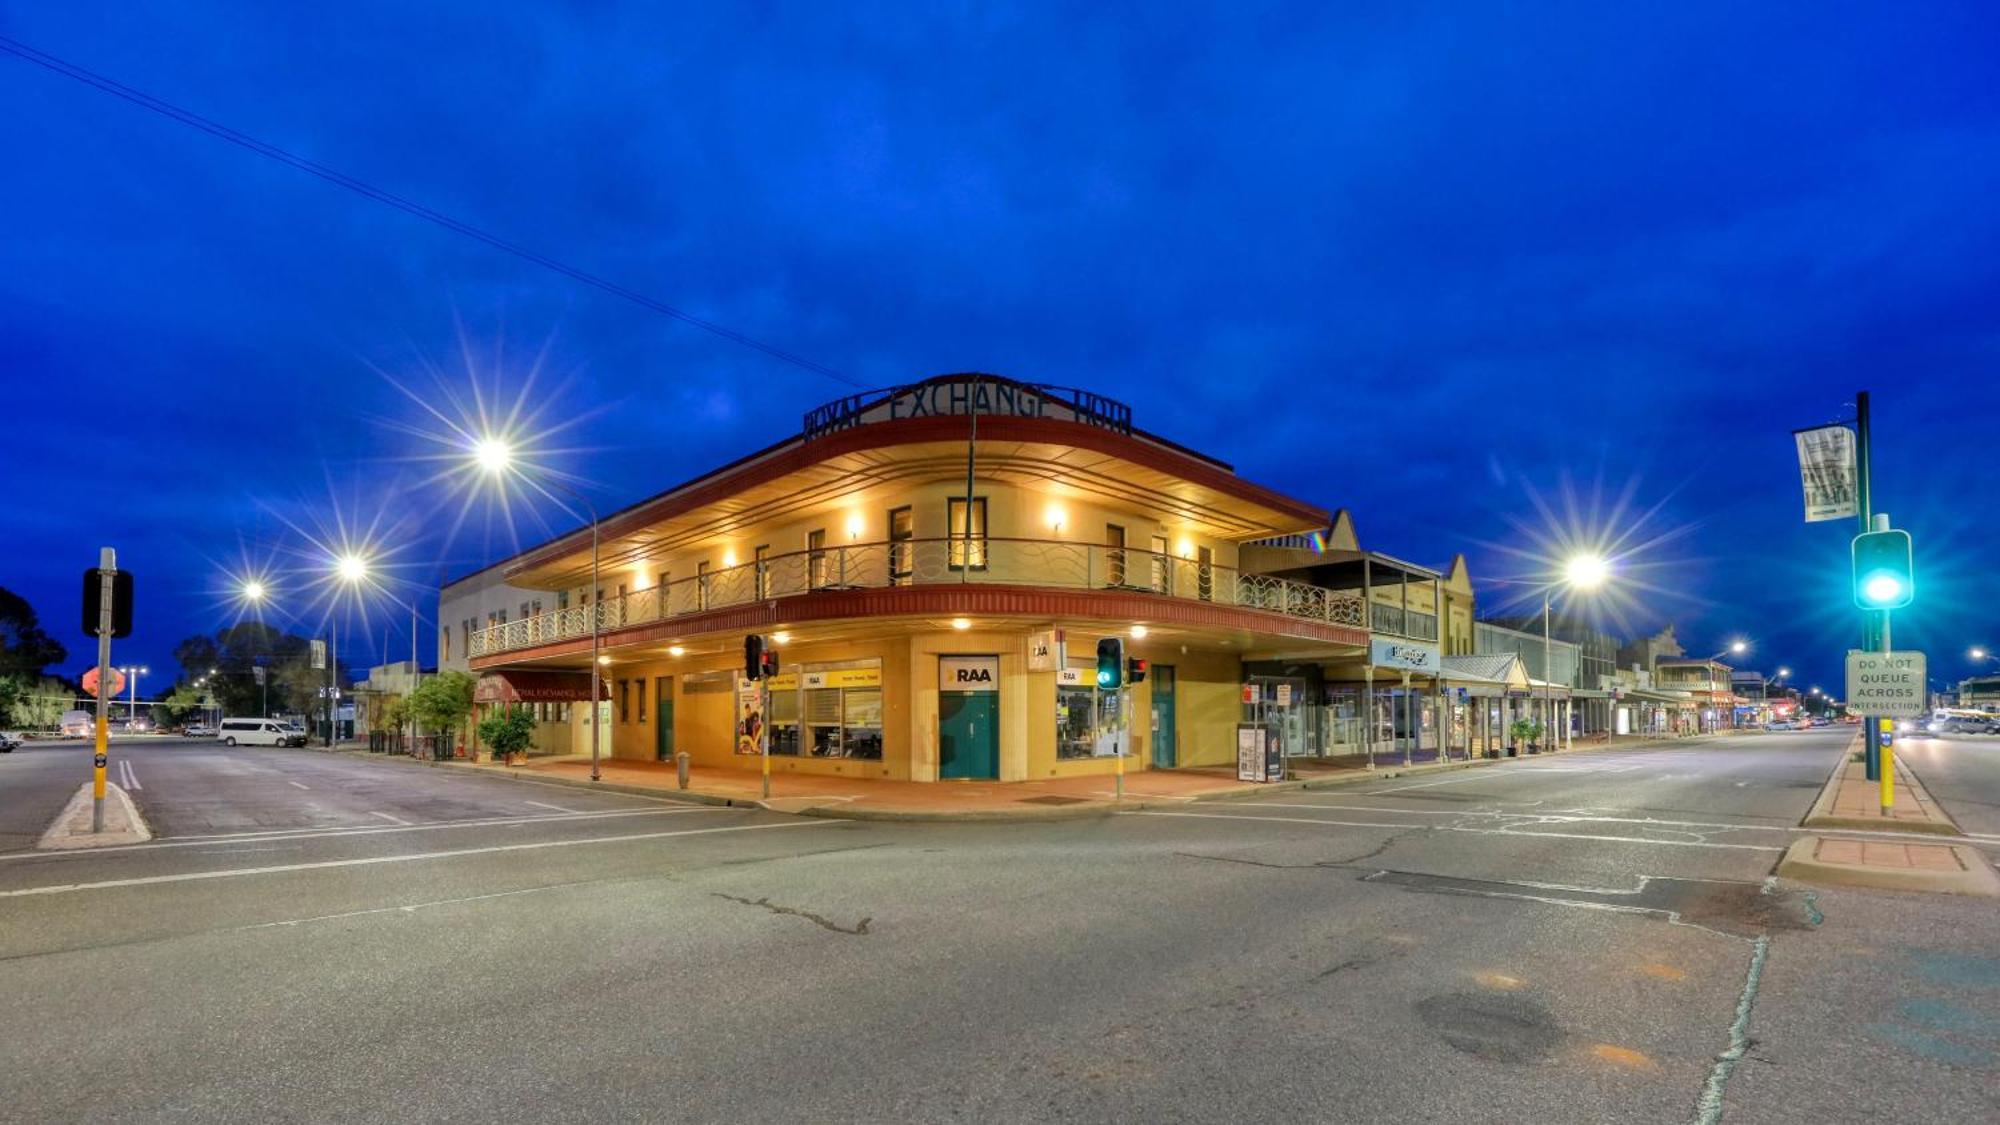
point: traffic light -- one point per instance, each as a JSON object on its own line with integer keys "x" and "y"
{"x": 1883, "y": 575}
{"x": 121, "y": 601}
{"x": 1110, "y": 662}
{"x": 753, "y": 657}
{"x": 1135, "y": 670}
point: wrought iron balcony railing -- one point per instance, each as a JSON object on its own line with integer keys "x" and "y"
{"x": 932, "y": 562}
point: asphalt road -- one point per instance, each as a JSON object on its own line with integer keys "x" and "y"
{"x": 1962, "y": 773}
{"x": 1588, "y": 937}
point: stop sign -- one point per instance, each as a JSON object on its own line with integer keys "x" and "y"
{"x": 117, "y": 681}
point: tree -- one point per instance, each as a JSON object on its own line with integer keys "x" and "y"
{"x": 508, "y": 730}
{"x": 444, "y": 701}
{"x": 25, "y": 650}
{"x": 43, "y": 708}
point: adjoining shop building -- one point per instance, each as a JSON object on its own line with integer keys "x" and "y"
{"x": 930, "y": 627}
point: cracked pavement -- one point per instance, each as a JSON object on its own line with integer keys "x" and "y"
{"x": 1553, "y": 940}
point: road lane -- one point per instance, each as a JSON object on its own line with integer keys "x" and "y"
{"x": 1962, "y": 774}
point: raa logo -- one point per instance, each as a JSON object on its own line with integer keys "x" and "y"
{"x": 974, "y": 675}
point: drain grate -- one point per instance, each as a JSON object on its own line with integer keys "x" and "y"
{"x": 1052, "y": 799}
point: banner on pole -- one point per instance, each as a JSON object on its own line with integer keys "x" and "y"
{"x": 1827, "y": 469}
{"x": 319, "y": 654}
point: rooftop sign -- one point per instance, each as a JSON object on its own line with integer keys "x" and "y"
{"x": 961, "y": 395}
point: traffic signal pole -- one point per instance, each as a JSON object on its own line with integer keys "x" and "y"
{"x": 107, "y": 572}
{"x": 1871, "y": 620}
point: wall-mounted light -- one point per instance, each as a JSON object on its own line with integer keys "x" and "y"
{"x": 1138, "y": 632}
{"x": 961, "y": 623}
{"x": 855, "y": 526}
{"x": 604, "y": 660}
{"x": 1056, "y": 516}
{"x": 728, "y": 558}
{"x": 780, "y": 637}
{"x": 1185, "y": 548}
{"x": 676, "y": 650}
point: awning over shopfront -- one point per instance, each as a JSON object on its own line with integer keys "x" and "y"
{"x": 1644, "y": 695}
{"x": 1487, "y": 675}
{"x": 536, "y": 686}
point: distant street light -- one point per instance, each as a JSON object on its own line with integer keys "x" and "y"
{"x": 253, "y": 591}
{"x": 1979, "y": 653}
{"x": 495, "y": 458}
{"x": 132, "y": 675}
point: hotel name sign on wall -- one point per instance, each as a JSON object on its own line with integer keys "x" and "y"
{"x": 958, "y": 396}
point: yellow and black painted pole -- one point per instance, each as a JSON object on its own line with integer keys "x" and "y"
{"x": 107, "y": 574}
{"x": 1888, "y": 768}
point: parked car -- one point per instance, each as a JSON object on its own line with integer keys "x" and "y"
{"x": 1780, "y": 724}
{"x": 260, "y": 732}
{"x": 8, "y": 742}
{"x": 197, "y": 730}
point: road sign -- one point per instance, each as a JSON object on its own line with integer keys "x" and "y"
{"x": 1886, "y": 683}
{"x": 116, "y": 681}
{"x": 258, "y": 672}
{"x": 121, "y": 602}
{"x": 319, "y": 654}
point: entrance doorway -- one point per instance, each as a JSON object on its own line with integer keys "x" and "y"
{"x": 663, "y": 719}
{"x": 968, "y": 735}
{"x": 1165, "y": 748}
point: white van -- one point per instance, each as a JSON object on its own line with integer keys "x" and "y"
{"x": 259, "y": 732}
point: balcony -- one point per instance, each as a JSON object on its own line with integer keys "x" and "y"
{"x": 932, "y": 562}
{"x": 1396, "y": 620}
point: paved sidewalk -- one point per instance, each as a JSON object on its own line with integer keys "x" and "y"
{"x": 1043, "y": 799}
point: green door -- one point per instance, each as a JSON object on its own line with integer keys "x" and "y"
{"x": 969, "y": 735}
{"x": 663, "y": 719}
{"x": 1164, "y": 745}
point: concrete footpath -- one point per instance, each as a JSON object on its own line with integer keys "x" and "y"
{"x": 921, "y": 801}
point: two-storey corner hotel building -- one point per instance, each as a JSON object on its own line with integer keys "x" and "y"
{"x": 935, "y": 564}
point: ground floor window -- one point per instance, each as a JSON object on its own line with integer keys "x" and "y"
{"x": 1089, "y": 723}
{"x": 842, "y": 707}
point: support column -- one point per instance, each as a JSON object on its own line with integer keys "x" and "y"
{"x": 1409, "y": 714}
{"x": 1368, "y": 715}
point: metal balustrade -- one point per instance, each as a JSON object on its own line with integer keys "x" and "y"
{"x": 939, "y": 562}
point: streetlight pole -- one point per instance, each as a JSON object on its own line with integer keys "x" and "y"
{"x": 495, "y": 457}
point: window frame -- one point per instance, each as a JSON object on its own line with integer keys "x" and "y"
{"x": 967, "y": 550}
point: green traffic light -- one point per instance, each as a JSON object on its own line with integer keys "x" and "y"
{"x": 1883, "y": 574}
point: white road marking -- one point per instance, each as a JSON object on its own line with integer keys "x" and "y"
{"x": 412, "y": 908}
{"x": 1485, "y": 775}
{"x": 387, "y": 817}
{"x": 546, "y": 805}
{"x": 297, "y": 784}
{"x": 1476, "y": 831}
{"x": 366, "y": 861}
{"x": 131, "y": 778}
{"x": 356, "y": 830}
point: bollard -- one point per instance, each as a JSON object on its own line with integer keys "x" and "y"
{"x": 681, "y": 768}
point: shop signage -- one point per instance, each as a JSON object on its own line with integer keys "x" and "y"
{"x": 1886, "y": 683}
{"x": 1045, "y": 651}
{"x": 1826, "y": 468}
{"x": 829, "y": 678}
{"x": 1284, "y": 695}
{"x": 1072, "y": 677}
{"x": 963, "y": 395}
{"x": 1385, "y": 653}
{"x": 968, "y": 673}
{"x": 1250, "y": 694}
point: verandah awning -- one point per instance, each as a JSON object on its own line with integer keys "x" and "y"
{"x": 536, "y": 686}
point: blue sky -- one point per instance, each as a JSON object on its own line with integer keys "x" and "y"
{"x": 1424, "y": 264}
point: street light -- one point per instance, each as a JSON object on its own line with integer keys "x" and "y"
{"x": 495, "y": 458}
{"x": 1581, "y": 574}
{"x": 132, "y": 675}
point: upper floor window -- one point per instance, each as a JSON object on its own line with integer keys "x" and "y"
{"x": 902, "y": 552}
{"x": 1114, "y": 554}
{"x": 1204, "y": 573}
{"x": 562, "y": 599}
{"x": 701, "y": 584}
{"x": 1163, "y": 574}
{"x": 816, "y": 559}
{"x": 968, "y": 544}
{"x": 762, "y": 557}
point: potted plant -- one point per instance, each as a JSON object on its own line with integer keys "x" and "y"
{"x": 443, "y": 702}
{"x": 1526, "y": 731}
{"x": 508, "y": 731}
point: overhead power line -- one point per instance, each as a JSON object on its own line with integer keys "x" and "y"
{"x": 273, "y": 152}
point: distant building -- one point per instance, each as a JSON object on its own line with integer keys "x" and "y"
{"x": 1649, "y": 651}
{"x": 1980, "y": 691}
{"x": 1707, "y": 681}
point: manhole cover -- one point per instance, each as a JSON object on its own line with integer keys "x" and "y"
{"x": 1054, "y": 800}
